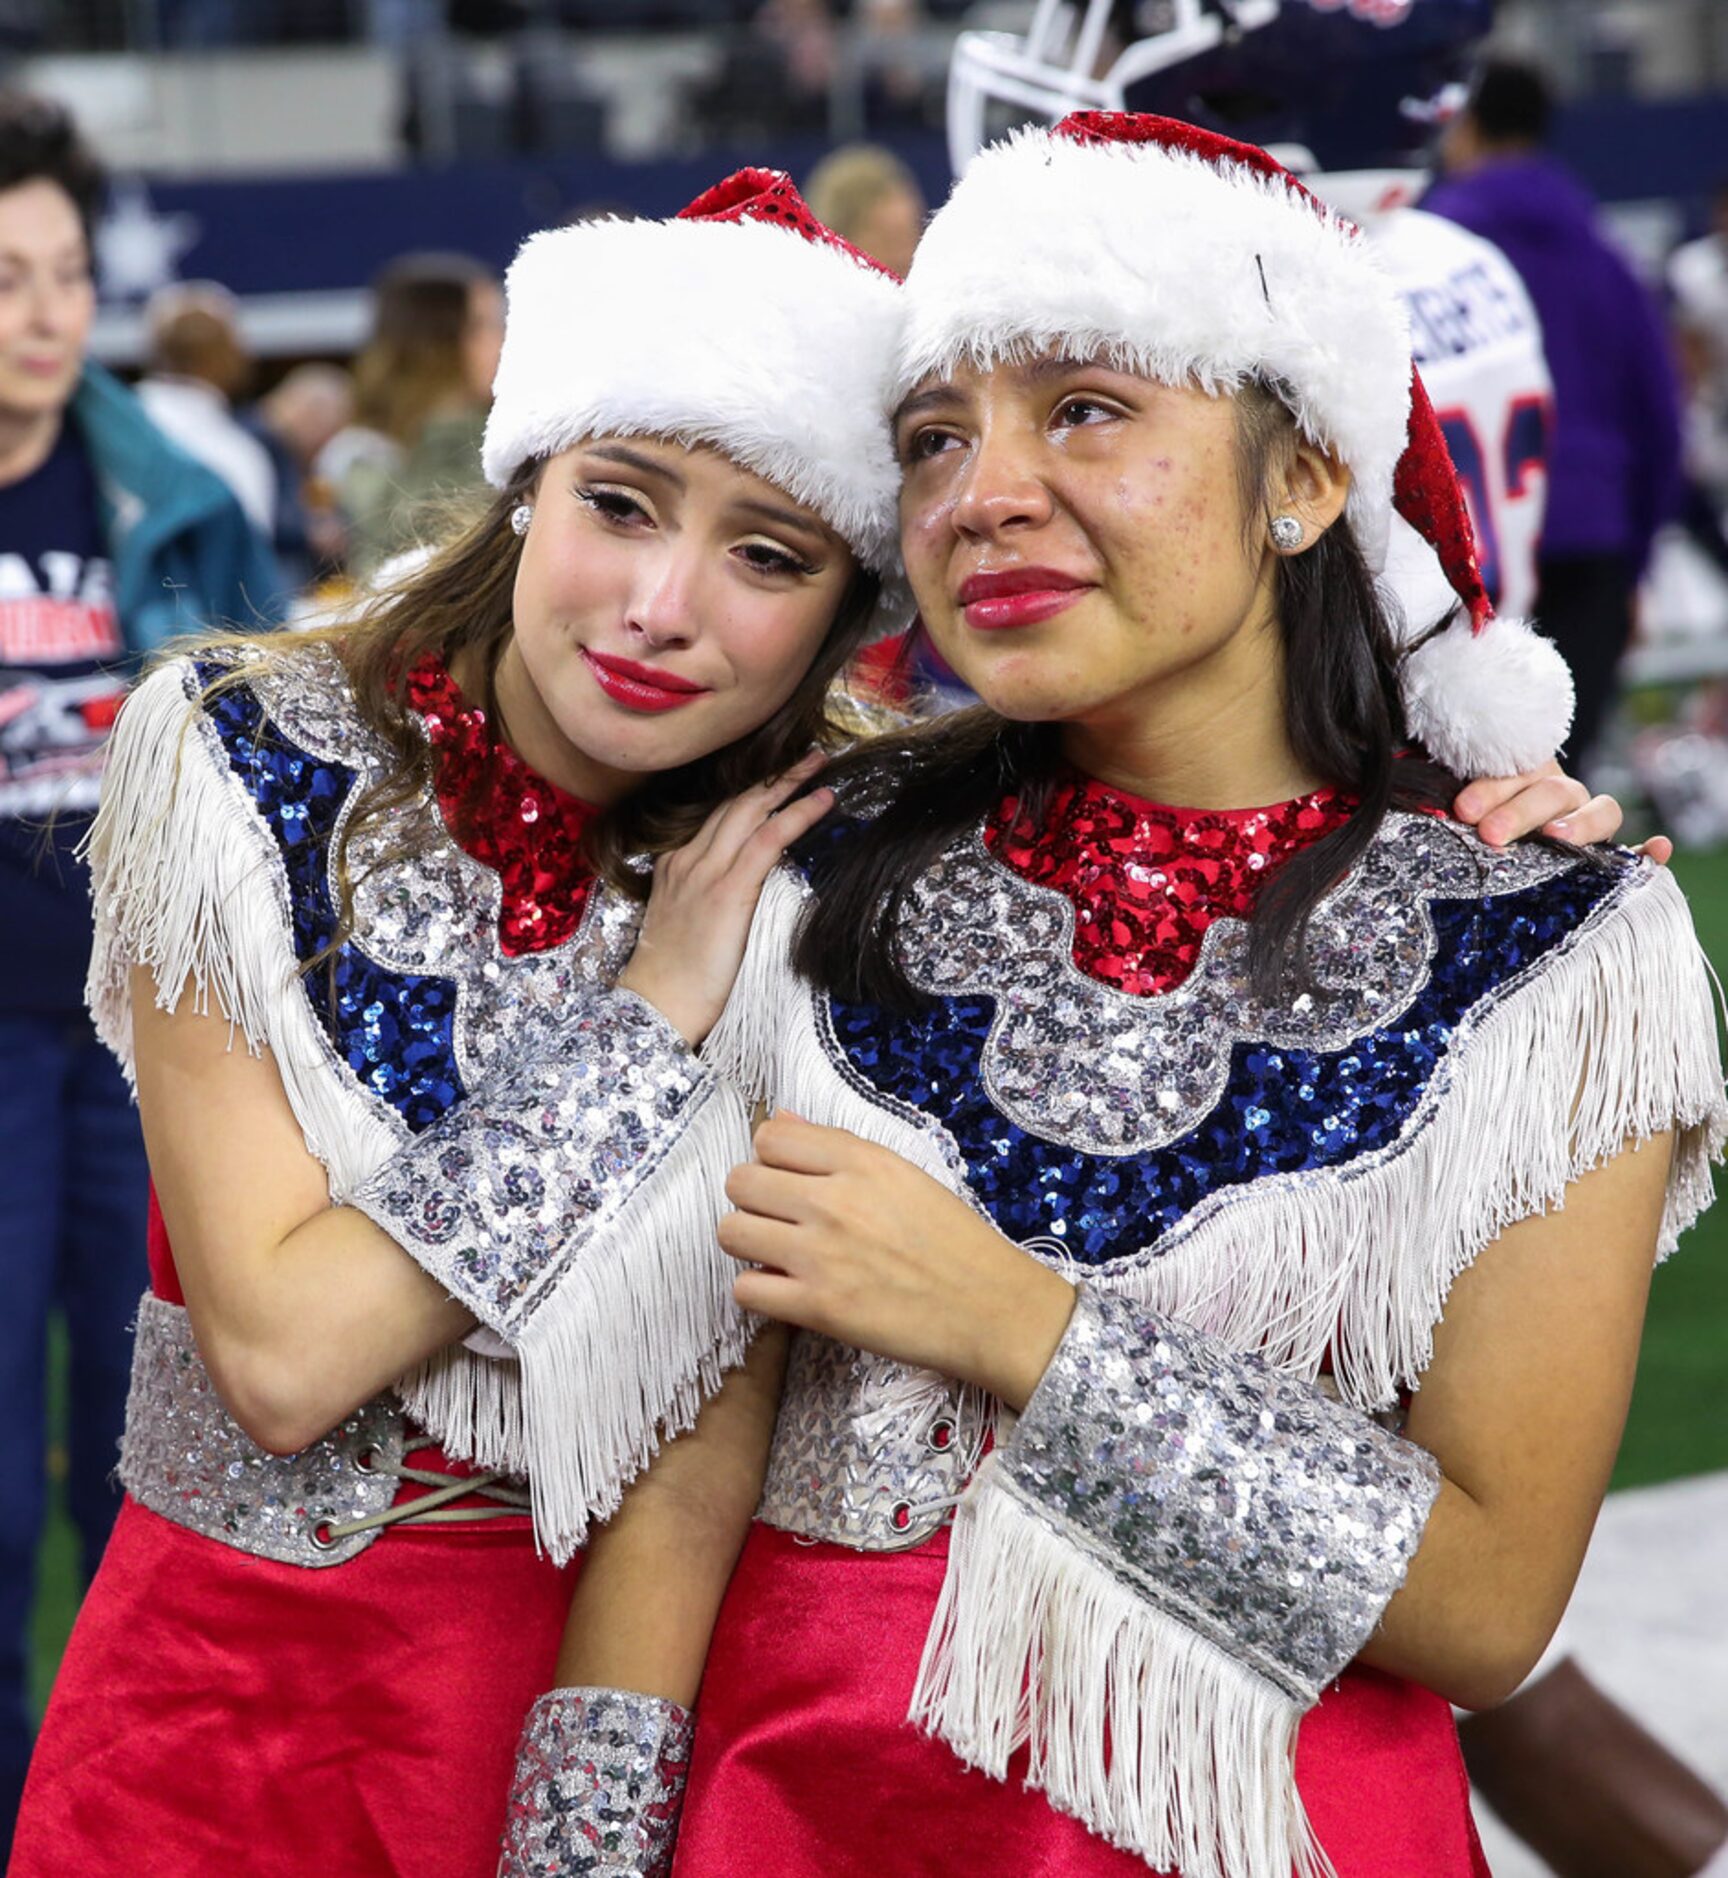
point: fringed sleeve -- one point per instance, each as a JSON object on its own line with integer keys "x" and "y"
{"x": 1180, "y": 1544}
{"x": 571, "y": 1204}
{"x": 1153, "y": 1579}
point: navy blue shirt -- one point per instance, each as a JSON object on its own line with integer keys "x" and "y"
{"x": 62, "y": 676}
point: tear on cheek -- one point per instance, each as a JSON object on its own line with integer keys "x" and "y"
{"x": 929, "y": 518}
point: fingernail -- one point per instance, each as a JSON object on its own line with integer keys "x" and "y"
{"x": 1561, "y": 829}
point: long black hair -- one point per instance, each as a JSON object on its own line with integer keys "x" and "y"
{"x": 1345, "y": 721}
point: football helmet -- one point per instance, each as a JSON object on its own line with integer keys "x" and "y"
{"x": 1351, "y": 84}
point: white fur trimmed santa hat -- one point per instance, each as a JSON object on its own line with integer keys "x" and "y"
{"x": 1193, "y": 259}
{"x": 741, "y": 322}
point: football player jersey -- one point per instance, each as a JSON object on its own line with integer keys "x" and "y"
{"x": 1478, "y": 345}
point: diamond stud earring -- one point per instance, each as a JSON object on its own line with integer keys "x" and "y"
{"x": 523, "y": 514}
{"x": 1286, "y": 533}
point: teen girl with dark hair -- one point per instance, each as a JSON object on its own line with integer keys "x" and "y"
{"x": 1267, "y": 1193}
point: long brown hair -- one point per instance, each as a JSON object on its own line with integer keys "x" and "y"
{"x": 415, "y": 360}
{"x": 459, "y": 604}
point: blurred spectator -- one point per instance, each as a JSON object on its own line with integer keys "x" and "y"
{"x": 421, "y": 390}
{"x": 776, "y": 76}
{"x": 198, "y": 367}
{"x": 898, "y": 87}
{"x": 111, "y": 540}
{"x": 1614, "y": 461}
{"x": 307, "y": 409}
{"x": 294, "y": 423}
{"x": 804, "y": 32}
{"x": 868, "y": 195}
{"x": 1698, "y": 281}
{"x": 1698, "y": 278}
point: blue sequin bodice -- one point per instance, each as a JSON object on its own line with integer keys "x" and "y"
{"x": 1104, "y": 1123}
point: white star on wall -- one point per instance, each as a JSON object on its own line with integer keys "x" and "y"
{"x": 138, "y": 250}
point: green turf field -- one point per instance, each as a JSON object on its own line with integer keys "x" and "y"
{"x": 1679, "y": 1419}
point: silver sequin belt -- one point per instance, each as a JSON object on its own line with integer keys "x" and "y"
{"x": 185, "y": 1457}
{"x": 867, "y": 1453}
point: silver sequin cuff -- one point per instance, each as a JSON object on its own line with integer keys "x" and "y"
{"x": 599, "y": 1781}
{"x": 498, "y": 1198}
{"x": 1251, "y": 1507}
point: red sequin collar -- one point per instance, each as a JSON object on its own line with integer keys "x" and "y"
{"x": 507, "y": 816}
{"x": 1145, "y": 881}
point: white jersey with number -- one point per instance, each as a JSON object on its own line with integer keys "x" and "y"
{"x": 1478, "y": 345}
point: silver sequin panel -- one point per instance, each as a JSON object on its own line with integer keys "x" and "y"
{"x": 1250, "y": 1507}
{"x": 866, "y": 1453}
{"x": 598, "y": 1786}
{"x": 184, "y": 1456}
{"x": 436, "y": 910}
{"x": 1081, "y": 1064}
{"x": 499, "y": 1197}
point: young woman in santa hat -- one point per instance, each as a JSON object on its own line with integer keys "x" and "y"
{"x": 1185, "y": 1114}
{"x": 416, "y": 1068}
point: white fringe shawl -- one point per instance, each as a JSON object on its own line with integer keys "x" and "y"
{"x": 1036, "y": 1641}
{"x": 187, "y": 881}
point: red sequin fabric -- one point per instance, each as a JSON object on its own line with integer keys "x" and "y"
{"x": 508, "y": 817}
{"x": 1145, "y": 881}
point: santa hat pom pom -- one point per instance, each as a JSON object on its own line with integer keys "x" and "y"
{"x": 1492, "y": 703}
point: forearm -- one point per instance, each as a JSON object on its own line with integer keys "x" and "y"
{"x": 297, "y": 1334}
{"x": 1481, "y": 1599}
{"x": 654, "y": 1575}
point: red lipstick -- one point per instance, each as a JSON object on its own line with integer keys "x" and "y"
{"x": 1019, "y": 596}
{"x": 640, "y": 687}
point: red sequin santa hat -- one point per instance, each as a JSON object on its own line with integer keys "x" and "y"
{"x": 741, "y": 322}
{"x": 1193, "y": 259}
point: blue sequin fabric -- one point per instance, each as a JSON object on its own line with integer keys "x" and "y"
{"x": 1256, "y": 1098}
{"x": 395, "y": 1030}
{"x": 421, "y": 1001}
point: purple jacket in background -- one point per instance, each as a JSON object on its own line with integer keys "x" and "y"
{"x": 1614, "y": 468}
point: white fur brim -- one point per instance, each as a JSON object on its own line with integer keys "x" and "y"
{"x": 776, "y": 350}
{"x": 1171, "y": 268}
{"x": 1493, "y": 703}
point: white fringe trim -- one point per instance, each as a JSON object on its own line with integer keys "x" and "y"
{"x": 767, "y": 1043}
{"x": 637, "y": 1335}
{"x": 1612, "y": 1042}
{"x": 187, "y": 881}
{"x": 1035, "y": 1644}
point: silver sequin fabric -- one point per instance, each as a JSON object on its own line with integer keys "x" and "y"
{"x": 1077, "y": 1062}
{"x": 500, "y": 1196}
{"x": 1250, "y": 1507}
{"x": 185, "y": 1457}
{"x": 867, "y": 1453}
{"x": 598, "y": 1784}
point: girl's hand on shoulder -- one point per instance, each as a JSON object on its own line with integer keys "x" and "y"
{"x": 1504, "y": 809}
{"x": 704, "y": 897}
{"x": 858, "y": 1244}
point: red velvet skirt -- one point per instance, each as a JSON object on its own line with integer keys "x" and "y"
{"x": 218, "y": 1714}
{"x": 806, "y": 1767}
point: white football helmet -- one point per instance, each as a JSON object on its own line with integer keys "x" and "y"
{"x": 1053, "y": 68}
